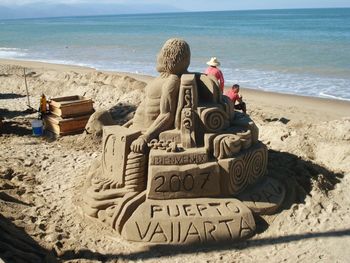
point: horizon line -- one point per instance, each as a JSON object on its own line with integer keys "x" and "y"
{"x": 173, "y": 12}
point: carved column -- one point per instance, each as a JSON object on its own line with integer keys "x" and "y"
{"x": 188, "y": 105}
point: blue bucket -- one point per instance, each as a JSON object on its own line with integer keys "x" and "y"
{"x": 37, "y": 127}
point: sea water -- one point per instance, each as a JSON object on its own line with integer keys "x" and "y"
{"x": 299, "y": 51}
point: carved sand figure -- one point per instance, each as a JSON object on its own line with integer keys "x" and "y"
{"x": 187, "y": 168}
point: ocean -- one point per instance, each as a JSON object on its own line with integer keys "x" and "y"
{"x": 296, "y": 51}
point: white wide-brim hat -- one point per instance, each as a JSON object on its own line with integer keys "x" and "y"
{"x": 213, "y": 62}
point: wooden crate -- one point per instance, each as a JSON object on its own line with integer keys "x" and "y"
{"x": 65, "y": 126}
{"x": 71, "y": 106}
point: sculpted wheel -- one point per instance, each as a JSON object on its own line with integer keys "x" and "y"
{"x": 256, "y": 164}
{"x": 238, "y": 176}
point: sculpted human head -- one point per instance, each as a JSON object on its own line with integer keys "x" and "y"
{"x": 174, "y": 57}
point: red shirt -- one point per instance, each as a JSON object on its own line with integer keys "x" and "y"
{"x": 218, "y": 75}
{"x": 232, "y": 94}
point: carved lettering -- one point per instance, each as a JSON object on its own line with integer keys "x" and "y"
{"x": 193, "y": 232}
{"x": 179, "y": 159}
{"x": 191, "y": 210}
{"x": 188, "y": 182}
{"x": 232, "y": 207}
{"x": 171, "y": 231}
{"x": 178, "y": 232}
{"x": 206, "y": 179}
{"x": 158, "y": 230}
{"x": 216, "y": 206}
{"x": 188, "y": 209}
{"x": 162, "y": 181}
{"x": 166, "y": 160}
{"x": 245, "y": 229}
{"x": 209, "y": 228}
{"x": 142, "y": 236}
{"x": 155, "y": 208}
{"x": 185, "y": 159}
{"x": 201, "y": 208}
{"x": 183, "y": 182}
{"x": 113, "y": 143}
{"x": 186, "y": 221}
{"x": 175, "y": 183}
{"x": 226, "y": 221}
{"x": 173, "y": 214}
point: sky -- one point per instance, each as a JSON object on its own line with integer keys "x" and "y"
{"x": 47, "y": 8}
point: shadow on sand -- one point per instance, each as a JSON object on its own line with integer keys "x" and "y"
{"x": 300, "y": 176}
{"x": 122, "y": 112}
{"x": 7, "y": 114}
{"x": 168, "y": 251}
{"x": 17, "y": 246}
{"x": 7, "y": 96}
{"x": 16, "y": 128}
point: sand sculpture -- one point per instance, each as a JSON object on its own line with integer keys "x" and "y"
{"x": 187, "y": 169}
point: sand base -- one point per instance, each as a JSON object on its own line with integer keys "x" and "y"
{"x": 41, "y": 177}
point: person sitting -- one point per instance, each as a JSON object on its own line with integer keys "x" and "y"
{"x": 234, "y": 96}
{"x": 215, "y": 71}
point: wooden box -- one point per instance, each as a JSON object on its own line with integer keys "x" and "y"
{"x": 71, "y": 106}
{"x": 66, "y": 126}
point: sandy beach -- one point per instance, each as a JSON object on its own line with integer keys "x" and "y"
{"x": 41, "y": 178}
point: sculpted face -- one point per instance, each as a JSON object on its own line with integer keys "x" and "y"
{"x": 174, "y": 57}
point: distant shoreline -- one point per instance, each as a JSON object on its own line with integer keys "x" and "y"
{"x": 292, "y": 106}
{"x": 141, "y": 77}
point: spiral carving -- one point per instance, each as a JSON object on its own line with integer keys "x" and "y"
{"x": 256, "y": 165}
{"x": 213, "y": 120}
{"x": 187, "y": 123}
{"x": 238, "y": 176}
{"x": 187, "y": 118}
{"x": 188, "y": 98}
{"x": 188, "y": 113}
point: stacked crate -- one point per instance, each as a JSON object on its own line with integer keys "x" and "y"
{"x": 68, "y": 115}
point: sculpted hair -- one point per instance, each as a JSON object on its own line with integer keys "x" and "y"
{"x": 174, "y": 57}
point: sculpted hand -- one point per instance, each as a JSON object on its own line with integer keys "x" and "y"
{"x": 139, "y": 145}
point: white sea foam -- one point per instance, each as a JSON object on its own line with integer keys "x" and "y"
{"x": 301, "y": 84}
{"x": 322, "y": 94}
{"x": 6, "y": 52}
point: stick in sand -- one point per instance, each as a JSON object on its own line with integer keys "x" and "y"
{"x": 25, "y": 82}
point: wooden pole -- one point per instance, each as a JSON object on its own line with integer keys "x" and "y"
{"x": 25, "y": 82}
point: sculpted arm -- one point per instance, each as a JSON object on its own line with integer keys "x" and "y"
{"x": 165, "y": 119}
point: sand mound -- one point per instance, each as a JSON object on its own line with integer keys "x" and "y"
{"x": 107, "y": 90}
